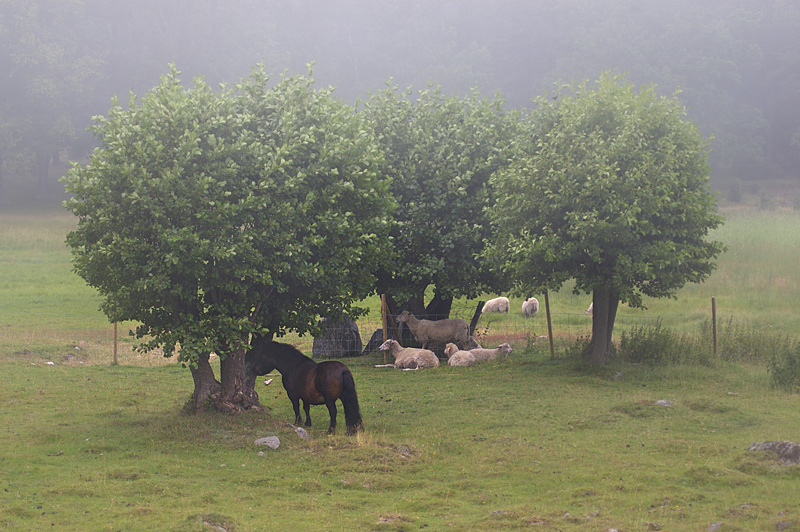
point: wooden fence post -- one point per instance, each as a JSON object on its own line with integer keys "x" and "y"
{"x": 549, "y": 324}
{"x": 384, "y": 311}
{"x": 115, "y": 344}
{"x": 714, "y": 322}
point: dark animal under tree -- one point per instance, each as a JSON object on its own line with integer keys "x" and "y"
{"x": 315, "y": 383}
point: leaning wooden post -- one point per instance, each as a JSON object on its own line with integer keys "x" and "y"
{"x": 714, "y": 322}
{"x": 549, "y": 324}
{"x": 115, "y": 344}
{"x": 385, "y": 323}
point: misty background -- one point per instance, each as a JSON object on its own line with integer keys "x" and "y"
{"x": 736, "y": 63}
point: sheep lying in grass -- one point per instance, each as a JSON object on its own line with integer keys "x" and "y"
{"x": 498, "y": 304}
{"x": 531, "y": 307}
{"x": 456, "y": 357}
{"x": 409, "y": 357}
{"x": 439, "y": 332}
{"x": 485, "y": 355}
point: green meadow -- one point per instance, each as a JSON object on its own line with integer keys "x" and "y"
{"x": 528, "y": 442}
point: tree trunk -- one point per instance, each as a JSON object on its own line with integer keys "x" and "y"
{"x": 238, "y": 391}
{"x": 206, "y": 386}
{"x": 439, "y": 307}
{"x": 604, "y": 312}
{"x": 475, "y": 317}
{"x": 415, "y": 305}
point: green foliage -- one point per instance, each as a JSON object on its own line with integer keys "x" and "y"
{"x": 657, "y": 345}
{"x": 611, "y": 189}
{"x": 739, "y": 341}
{"x": 207, "y": 216}
{"x": 736, "y": 342}
{"x": 784, "y": 367}
{"x": 440, "y": 152}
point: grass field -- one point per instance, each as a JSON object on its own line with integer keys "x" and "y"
{"x": 525, "y": 443}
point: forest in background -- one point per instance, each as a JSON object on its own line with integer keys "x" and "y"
{"x": 735, "y": 63}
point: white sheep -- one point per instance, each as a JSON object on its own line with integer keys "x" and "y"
{"x": 531, "y": 307}
{"x": 498, "y": 304}
{"x": 439, "y": 332}
{"x": 590, "y": 310}
{"x": 485, "y": 355}
{"x": 410, "y": 357}
{"x": 456, "y": 357}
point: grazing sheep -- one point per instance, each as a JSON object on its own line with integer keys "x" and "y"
{"x": 409, "y": 357}
{"x": 486, "y": 355}
{"x": 439, "y": 332}
{"x": 455, "y": 357}
{"x": 531, "y": 307}
{"x": 498, "y": 304}
{"x": 590, "y": 310}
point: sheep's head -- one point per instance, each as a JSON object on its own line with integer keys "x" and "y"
{"x": 449, "y": 349}
{"x": 504, "y": 348}
{"x": 387, "y": 345}
{"x": 403, "y": 317}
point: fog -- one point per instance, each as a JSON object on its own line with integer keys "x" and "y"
{"x": 736, "y": 63}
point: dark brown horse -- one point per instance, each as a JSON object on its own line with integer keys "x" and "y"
{"x": 315, "y": 384}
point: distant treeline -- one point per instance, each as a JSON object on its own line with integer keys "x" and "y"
{"x": 736, "y": 63}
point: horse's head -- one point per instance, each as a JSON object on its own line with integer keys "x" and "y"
{"x": 259, "y": 360}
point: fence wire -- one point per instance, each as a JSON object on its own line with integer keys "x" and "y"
{"x": 62, "y": 340}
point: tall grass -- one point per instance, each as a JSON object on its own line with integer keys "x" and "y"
{"x": 757, "y": 279}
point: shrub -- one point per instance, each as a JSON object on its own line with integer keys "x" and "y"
{"x": 741, "y": 342}
{"x": 656, "y": 345}
{"x": 578, "y": 350}
{"x": 784, "y": 367}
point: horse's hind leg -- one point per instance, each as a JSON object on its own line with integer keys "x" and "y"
{"x": 332, "y": 411}
{"x": 307, "y": 408}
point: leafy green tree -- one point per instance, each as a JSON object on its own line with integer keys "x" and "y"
{"x": 611, "y": 189}
{"x": 440, "y": 152}
{"x": 208, "y": 217}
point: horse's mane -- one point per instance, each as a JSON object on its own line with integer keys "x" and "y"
{"x": 265, "y": 346}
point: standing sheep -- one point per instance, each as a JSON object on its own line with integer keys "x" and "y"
{"x": 455, "y": 357}
{"x": 486, "y": 355}
{"x": 439, "y": 332}
{"x": 531, "y": 307}
{"x": 590, "y": 310}
{"x": 498, "y": 304}
{"x": 409, "y": 357}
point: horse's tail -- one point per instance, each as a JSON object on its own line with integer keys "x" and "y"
{"x": 352, "y": 412}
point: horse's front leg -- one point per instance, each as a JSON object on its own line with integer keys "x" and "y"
{"x": 332, "y": 411}
{"x": 307, "y": 408}
{"x": 296, "y": 406}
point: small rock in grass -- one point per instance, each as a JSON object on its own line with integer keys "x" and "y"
{"x": 273, "y": 442}
{"x": 300, "y": 431}
{"x": 788, "y": 452}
